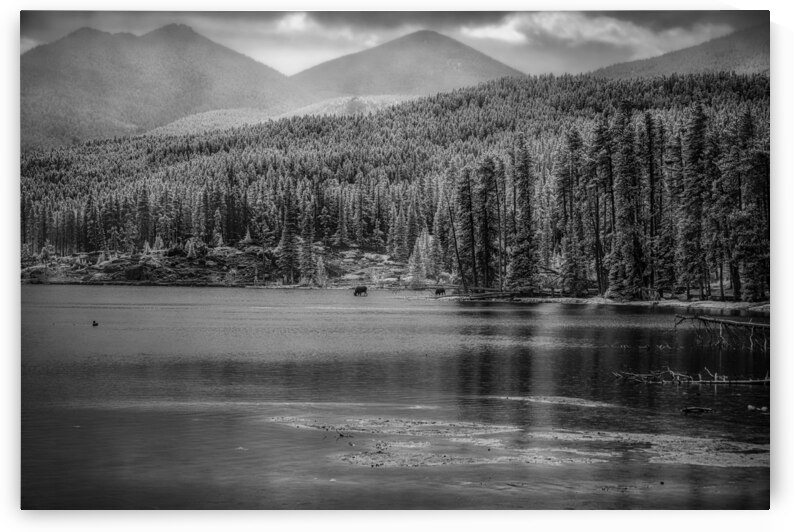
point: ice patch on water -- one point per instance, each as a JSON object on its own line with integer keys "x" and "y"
{"x": 668, "y": 448}
{"x": 395, "y": 426}
{"x": 556, "y": 400}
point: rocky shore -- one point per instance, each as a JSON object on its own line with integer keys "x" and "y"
{"x": 221, "y": 266}
{"x": 252, "y": 267}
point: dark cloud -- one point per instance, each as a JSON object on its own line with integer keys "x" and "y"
{"x": 43, "y": 23}
{"x": 56, "y": 24}
{"x": 397, "y": 19}
{"x": 665, "y": 20}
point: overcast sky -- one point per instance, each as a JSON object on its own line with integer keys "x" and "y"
{"x": 532, "y": 42}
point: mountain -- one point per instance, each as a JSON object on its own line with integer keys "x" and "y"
{"x": 424, "y": 62}
{"x": 93, "y": 84}
{"x": 744, "y": 52}
{"x": 418, "y": 64}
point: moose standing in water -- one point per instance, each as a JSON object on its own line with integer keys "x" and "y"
{"x": 360, "y": 291}
{"x": 441, "y": 292}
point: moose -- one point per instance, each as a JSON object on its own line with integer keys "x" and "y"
{"x": 441, "y": 292}
{"x": 360, "y": 291}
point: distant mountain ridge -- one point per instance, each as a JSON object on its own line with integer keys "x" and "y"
{"x": 744, "y": 52}
{"x": 421, "y": 63}
{"x": 93, "y": 84}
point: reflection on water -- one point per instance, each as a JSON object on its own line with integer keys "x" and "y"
{"x": 164, "y": 404}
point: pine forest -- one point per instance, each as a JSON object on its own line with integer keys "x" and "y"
{"x": 631, "y": 189}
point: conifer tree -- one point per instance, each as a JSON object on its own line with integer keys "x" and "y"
{"x": 573, "y": 270}
{"x": 144, "y": 219}
{"x": 753, "y": 243}
{"x": 401, "y": 250}
{"x": 308, "y": 262}
{"x": 713, "y": 244}
{"x": 217, "y": 231}
{"x": 690, "y": 257}
{"x": 435, "y": 259}
{"x": 321, "y": 275}
{"x": 287, "y": 254}
{"x": 523, "y": 265}
{"x": 340, "y": 236}
{"x": 650, "y": 160}
{"x": 441, "y": 239}
{"x": 391, "y": 233}
{"x": 93, "y": 227}
{"x": 467, "y": 240}
{"x": 666, "y": 247}
{"x": 416, "y": 264}
{"x": 325, "y": 225}
{"x": 626, "y": 261}
{"x": 487, "y": 223}
{"x": 412, "y": 225}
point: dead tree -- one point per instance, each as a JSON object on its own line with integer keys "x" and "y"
{"x": 729, "y": 333}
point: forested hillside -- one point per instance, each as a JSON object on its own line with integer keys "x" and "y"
{"x": 623, "y": 187}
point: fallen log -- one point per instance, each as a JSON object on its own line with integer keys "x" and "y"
{"x": 732, "y": 323}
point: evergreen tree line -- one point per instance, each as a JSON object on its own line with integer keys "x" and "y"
{"x": 631, "y": 210}
{"x": 621, "y": 188}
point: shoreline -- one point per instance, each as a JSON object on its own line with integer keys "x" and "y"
{"x": 763, "y": 307}
{"x": 758, "y": 306}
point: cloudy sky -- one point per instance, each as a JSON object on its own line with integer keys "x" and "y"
{"x": 533, "y": 42}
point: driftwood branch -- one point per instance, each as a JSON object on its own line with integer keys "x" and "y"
{"x": 669, "y": 376}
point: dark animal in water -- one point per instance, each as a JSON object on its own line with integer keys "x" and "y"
{"x": 696, "y": 410}
{"x": 441, "y": 292}
{"x": 95, "y": 323}
{"x": 360, "y": 291}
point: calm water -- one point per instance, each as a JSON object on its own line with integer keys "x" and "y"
{"x": 169, "y": 402}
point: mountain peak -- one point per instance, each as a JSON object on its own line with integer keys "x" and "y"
{"x": 86, "y": 33}
{"x": 420, "y": 63}
{"x": 180, "y": 31}
{"x": 424, "y": 34}
{"x": 426, "y": 38}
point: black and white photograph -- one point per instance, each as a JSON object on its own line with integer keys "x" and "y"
{"x": 396, "y": 260}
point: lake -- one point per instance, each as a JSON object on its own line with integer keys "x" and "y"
{"x": 315, "y": 399}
